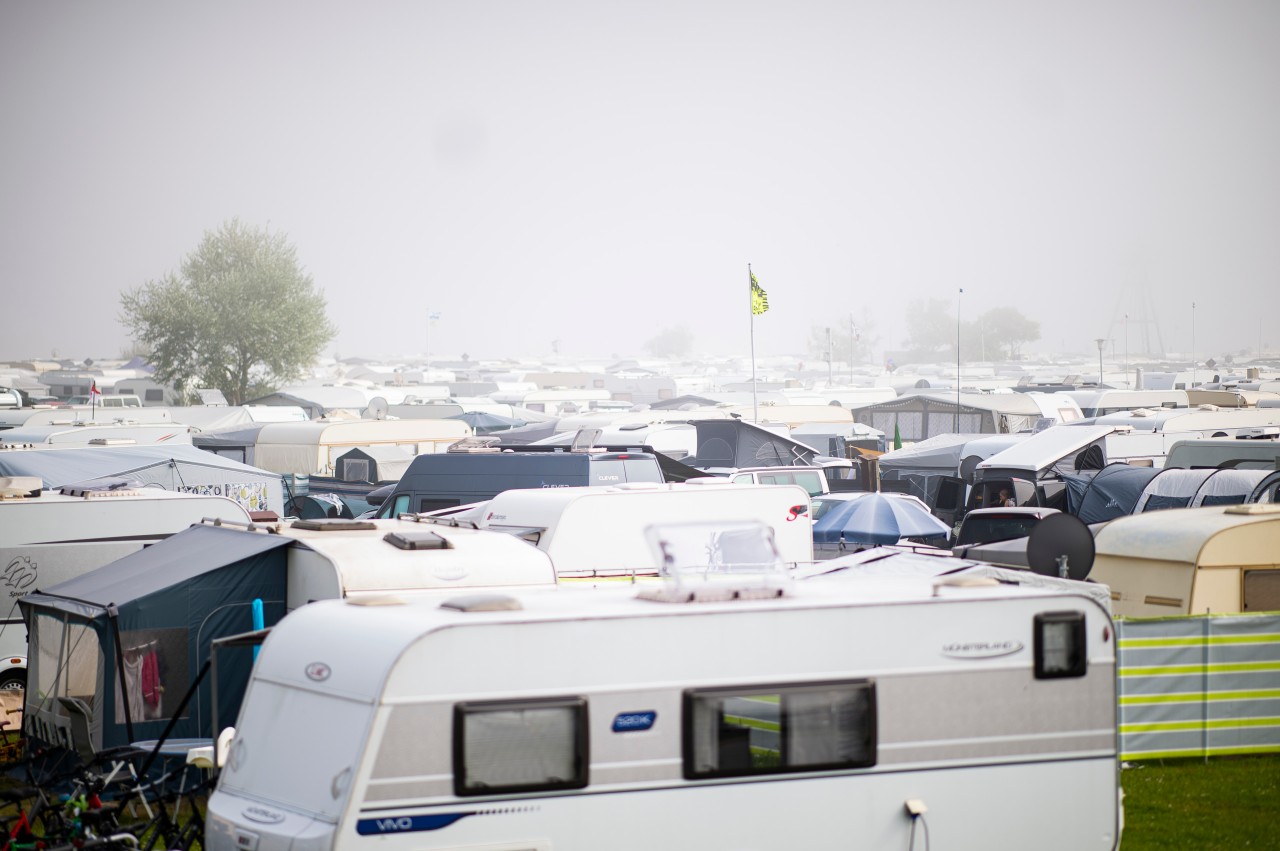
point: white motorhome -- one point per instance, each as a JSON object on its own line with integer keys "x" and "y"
{"x": 600, "y": 531}
{"x": 49, "y": 537}
{"x": 839, "y": 715}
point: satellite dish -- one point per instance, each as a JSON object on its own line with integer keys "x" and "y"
{"x": 1061, "y": 545}
{"x": 377, "y": 409}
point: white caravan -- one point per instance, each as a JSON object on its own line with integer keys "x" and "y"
{"x": 94, "y": 433}
{"x": 600, "y": 531}
{"x": 367, "y": 558}
{"x": 836, "y": 715}
{"x": 47, "y": 538}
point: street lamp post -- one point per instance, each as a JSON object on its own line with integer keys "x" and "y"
{"x": 956, "y": 420}
{"x": 1193, "y": 345}
{"x": 1102, "y": 342}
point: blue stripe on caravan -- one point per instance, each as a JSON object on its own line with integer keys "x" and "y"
{"x": 407, "y": 824}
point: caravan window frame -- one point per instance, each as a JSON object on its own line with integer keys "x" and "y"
{"x": 578, "y": 740}
{"x": 697, "y": 747}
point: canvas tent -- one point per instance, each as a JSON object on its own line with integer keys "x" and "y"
{"x": 920, "y": 466}
{"x": 122, "y": 644}
{"x": 176, "y": 468}
{"x": 919, "y": 416}
{"x": 1107, "y": 494}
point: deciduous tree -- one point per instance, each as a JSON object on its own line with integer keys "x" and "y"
{"x": 241, "y": 316}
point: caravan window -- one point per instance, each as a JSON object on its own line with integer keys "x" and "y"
{"x": 519, "y": 746}
{"x": 616, "y": 470}
{"x": 733, "y": 732}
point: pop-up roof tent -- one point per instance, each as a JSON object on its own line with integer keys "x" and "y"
{"x": 152, "y": 616}
{"x": 734, "y": 443}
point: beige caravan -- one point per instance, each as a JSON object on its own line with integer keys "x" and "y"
{"x": 1191, "y": 561}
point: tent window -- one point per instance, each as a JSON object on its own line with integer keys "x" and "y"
{"x": 67, "y": 660}
{"x": 155, "y": 673}
{"x": 520, "y": 746}
{"x": 1156, "y": 502}
{"x": 746, "y": 731}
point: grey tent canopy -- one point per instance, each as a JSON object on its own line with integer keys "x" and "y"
{"x": 127, "y": 640}
{"x": 172, "y": 467}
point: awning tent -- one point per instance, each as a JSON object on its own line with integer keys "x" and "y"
{"x": 125, "y": 642}
{"x": 236, "y": 442}
{"x": 1171, "y": 488}
{"x": 176, "y": 468}
{"x": 919, "y": 416}
{"x": 1107, "y": 494}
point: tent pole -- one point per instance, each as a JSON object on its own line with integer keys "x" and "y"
{"x": 112, "y": 615}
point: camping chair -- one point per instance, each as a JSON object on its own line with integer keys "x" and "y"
{"x": 80, "y": 716}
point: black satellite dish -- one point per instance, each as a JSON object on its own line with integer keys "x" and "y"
{"x": 1060, "y": 545}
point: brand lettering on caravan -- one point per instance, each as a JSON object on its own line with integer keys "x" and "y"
{"x": 981, "y": 649}
{"x": 262, "y": 815}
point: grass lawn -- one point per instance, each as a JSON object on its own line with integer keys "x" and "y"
{"x": 1228, "y": 802}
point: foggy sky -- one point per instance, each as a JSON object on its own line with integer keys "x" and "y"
{"x": 593, "y": 173}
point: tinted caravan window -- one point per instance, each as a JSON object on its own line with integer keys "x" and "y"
{"x": 733, "y": 732}
{"x": 615, "y": 470}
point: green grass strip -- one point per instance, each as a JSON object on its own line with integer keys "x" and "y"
{"x": 753, "y": 723}
{"x": 1216, "y": 724}
{"x": 1197, "y": 697}
{"x": 1183, "y": 670}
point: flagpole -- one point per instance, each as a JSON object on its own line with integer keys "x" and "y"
{"x": 755, "y": 412}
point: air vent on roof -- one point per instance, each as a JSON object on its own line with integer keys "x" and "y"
{"x": 16, "y": 486}
{"x": 482, "y": 603}
{"x": 416, "y": 539}
{"x": 477, "y": 444}
{"x": 332, "y": 524}
{"x": 103, "y": 488}
{"x": 375, "y": 600}
{"x": 1254, "y": 508}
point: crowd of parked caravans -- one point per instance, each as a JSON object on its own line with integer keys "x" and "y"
{"x": 374, "y": 553}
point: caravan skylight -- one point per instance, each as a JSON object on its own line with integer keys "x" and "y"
{"x": 709, "y": 560}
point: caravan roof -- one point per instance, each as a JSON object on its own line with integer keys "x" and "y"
{"x": 1211, "y": 422}
{"x": 87, "y": 433}
{"x": 368, "y": 557}
{"x": 593, "y": 531}
{"x": 1225, "y": 452}
{"x": 304, "y": 448}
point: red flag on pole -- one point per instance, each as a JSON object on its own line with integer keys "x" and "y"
{"x": 93, "y": 388}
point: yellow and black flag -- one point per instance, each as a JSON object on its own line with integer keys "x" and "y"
{"x": 759, "y": 298}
